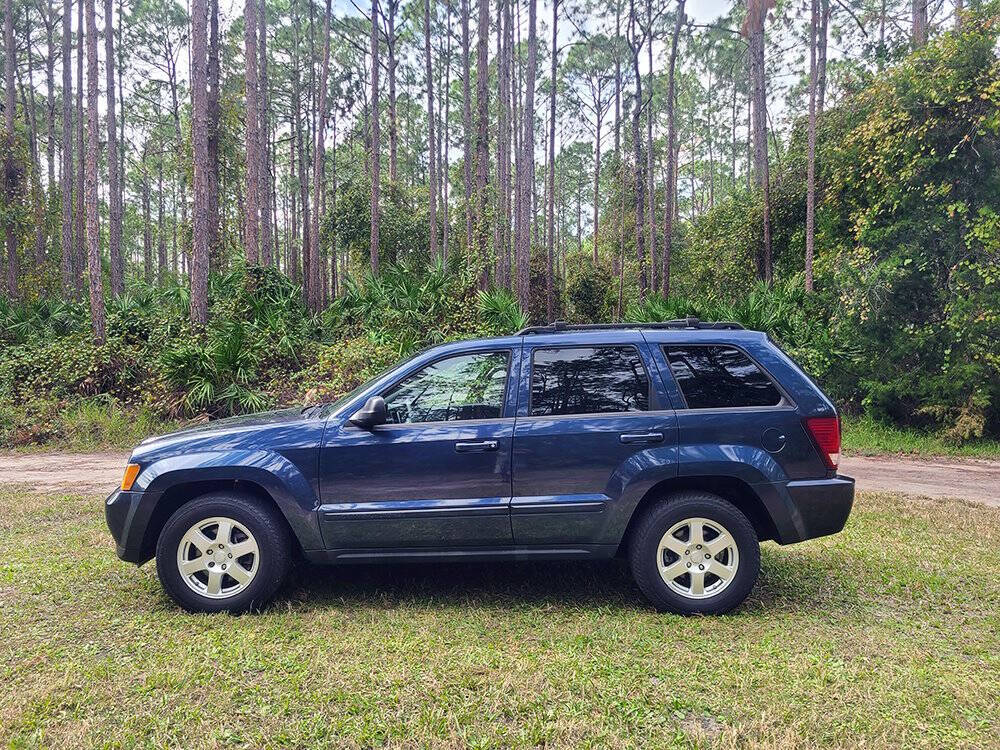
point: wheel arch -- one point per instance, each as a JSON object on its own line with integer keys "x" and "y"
{"x": 177, "y": 495}
{"x": 734, "y": 490}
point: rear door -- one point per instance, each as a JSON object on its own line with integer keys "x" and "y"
{"x": 730, "y": 408}
{"x": 586, "y": 415}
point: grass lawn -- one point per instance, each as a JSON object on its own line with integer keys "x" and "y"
{"x": 887, "y": 635}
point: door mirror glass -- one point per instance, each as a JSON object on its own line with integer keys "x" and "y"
{"x": 371, "y": 414}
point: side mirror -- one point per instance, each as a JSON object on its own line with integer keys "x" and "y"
{"x": 371, "y": 414}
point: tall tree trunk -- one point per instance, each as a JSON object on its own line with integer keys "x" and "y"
{"x": 293, "y": 148}
{"x": 919, "y": 22}
{"x": 264, "y": 175}
{"x": 48, "y": 14}
{"x": 123, "y": 112}
{"x": 446, "y": 140}
{"x": 635, "y": 43}
{"x": 482, "y": 141}
{"x": 147, "y": 219}
{"x": 375, "y": 145}
{"x": 811, "y": 164}
{"x": 199, "y": 139}
{"x": 10, "y": 180}
{"x": 618, "y": 76}
{"x": 38, "y": 197}
{"x": 824, "y": 29}
{"x": 180, "y": 149}
{"x": 467, "y": 123}
{"x": 651, "y": 185}
{"x": 299, "y": 138}
{"x": 334, "y": 273}
{"x": 161, "y": 235}
{"x": 214, "y": 243}
{"x": 754, "y": 25}
{"x": 252, "y": 195}
{"x": 526, "y": 165}
{"x": 93, "y": 145}
{"x": 392, "y": 7}
{"x": 66, "y": 265}
{"x": 599, "y": 112}
{"x": 431, "y": 144}
{"x": 314, "y": 295}
{"x": 711, "y": 140}
{"x": 502, "y": 233}
{"x": 114, "y": 179}
{"x": 670, "y": 190}
{"x": 550, "y": 298}
{"x": 80, "y": 242}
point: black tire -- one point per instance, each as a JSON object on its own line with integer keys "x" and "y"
{"x": 269, "y": 531}
{"x": 659, "y": 519}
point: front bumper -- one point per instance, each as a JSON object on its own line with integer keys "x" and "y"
{"x": 806, "y": 509}
{"x": 122, "y": 511}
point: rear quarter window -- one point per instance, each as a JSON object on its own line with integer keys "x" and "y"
{"x": 719, "y": 377}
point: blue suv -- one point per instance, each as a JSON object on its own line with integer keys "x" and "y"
{"x": 680, "y": 446}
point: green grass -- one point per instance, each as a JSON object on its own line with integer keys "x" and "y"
{"x": 863, "y": 436}
{"x": 883, "y": 636}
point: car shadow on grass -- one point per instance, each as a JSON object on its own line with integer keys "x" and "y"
{"x": 803, "y": 583}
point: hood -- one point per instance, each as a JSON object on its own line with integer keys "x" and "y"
{"x": 241, "y": 429}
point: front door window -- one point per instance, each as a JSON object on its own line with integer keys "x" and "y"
{"x": 468, "y": 386}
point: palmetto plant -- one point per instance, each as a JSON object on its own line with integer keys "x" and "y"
{"x": 500, "y": 312}
{"x": 216, "y": 372}
{"x": 41, "y": 318}
{"x": 401, "y": 306}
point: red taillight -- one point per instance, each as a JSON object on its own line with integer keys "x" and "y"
{"x": 826, "y": 432}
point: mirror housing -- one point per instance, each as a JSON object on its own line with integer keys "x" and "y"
{"x": 371, "y": 414}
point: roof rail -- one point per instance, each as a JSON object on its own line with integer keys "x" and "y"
{"x": 561, "y": 326}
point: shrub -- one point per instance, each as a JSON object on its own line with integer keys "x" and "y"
{"x": 588, "y": 289}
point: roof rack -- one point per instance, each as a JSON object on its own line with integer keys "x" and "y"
{"x": 561, "y": 326}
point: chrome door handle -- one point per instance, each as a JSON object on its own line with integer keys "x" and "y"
{"x": 476, "y": 447}
{"x": 641, "y": 437}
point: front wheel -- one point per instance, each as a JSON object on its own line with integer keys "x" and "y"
{"x": 695, "y": 553}
{"x": 223, "y": 552}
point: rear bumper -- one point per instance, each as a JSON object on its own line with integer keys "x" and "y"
{"x": 811, "y": 508}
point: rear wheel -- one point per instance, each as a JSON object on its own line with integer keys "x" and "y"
{"x": 223, "y": 552}
{"x": 695, "y": 553}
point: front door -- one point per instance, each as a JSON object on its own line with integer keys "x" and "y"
{"x": 438, "y": 473}
{"x": 591, "y": 422}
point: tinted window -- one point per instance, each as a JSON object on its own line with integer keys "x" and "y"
{"x": 719, "y": 377}
{"x": 469, "y": 386}
{"x": 588, "y": 380}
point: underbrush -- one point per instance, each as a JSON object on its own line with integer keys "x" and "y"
{"x": 865, "y": 436}
{"x": 86, "y": 424}
{"x": 263, "y": 349}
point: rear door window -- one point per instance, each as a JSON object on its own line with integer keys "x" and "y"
{"x": 719, "y": 377}
{"x": 588, "y": 380}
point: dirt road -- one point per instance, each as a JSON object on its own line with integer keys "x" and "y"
{"x": 974, "y": 480}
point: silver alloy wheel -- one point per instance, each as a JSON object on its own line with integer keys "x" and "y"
{"x": 218, "y": 557}
{"x": 697, "y": 558}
